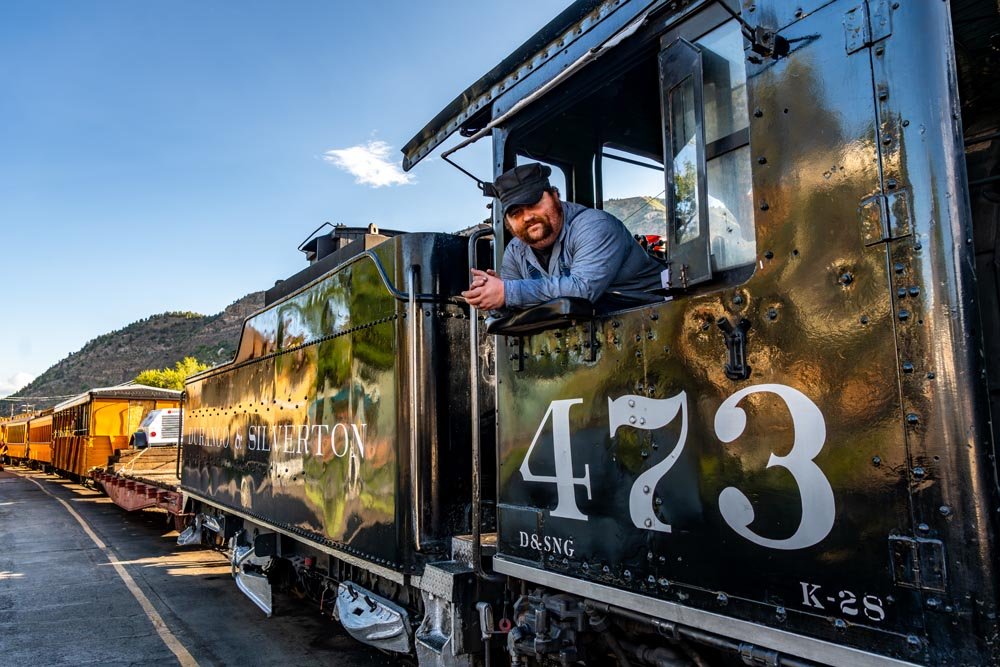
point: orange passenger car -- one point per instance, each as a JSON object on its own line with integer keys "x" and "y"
{"x": 17, "y": 437}
{"x": 92, "y": 426}
{"x": 40, "y": 439}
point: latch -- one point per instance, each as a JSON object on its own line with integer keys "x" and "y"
{"x": 869, "y": 22}
{"x": 918, "y": 562}
{"x": 736, "y": 342}
{"x": 885, "y": 217}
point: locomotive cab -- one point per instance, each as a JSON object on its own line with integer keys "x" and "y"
{"x": 785, "y": 461}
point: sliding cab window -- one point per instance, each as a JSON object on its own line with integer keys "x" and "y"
{"x": 709, "y": 197}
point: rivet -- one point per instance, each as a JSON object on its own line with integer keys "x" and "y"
{"x": 906, "y": 123}
{"x": 876, "y": 461}
{"x": 758, "y": 112}
{"x": 923, "y": 528}
{"x": 930, "y": 375}
{"x": 945, "y": 510}
{"x": 879, "y": 50}
{"x": 914, "y": 291}
{"x": 864, "y": 319}
{"x": 645, "y": 489}
{"x": 642, "y": 420}
{"x": 907, "y": 366}
{"x": 764, "y": 206}
{"x": 722, "y": 598}
{"x": 768, "y": 255}
{"x": 772, "y": 314}
{"x": 762, "y": 160}
{"x": 933, "y": 603}
{"x": 901, "y": 292}
{"x": 648, "y": 523}
{"x": 839, "y": 624}
{"x": 919, "y": 472}
{"x": 904, "y": 314}
{"x": 631, "y": 420}
{"x": 891, "y": 183}
{"x": 738, "y": 300}
{"x": 886, "y": 140}
{"x": 846, "y": 278}
{"x": 631, "y": 403}
{"x": 912, "y": 419}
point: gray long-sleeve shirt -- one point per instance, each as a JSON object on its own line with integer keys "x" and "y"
{"x": 593, "y": 254}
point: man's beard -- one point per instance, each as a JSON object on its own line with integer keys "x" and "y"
{"x": 537, "y": 230}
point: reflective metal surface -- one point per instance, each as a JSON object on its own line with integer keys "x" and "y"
{"x": 309, "y": 428}
{"x": 776, "y": 499}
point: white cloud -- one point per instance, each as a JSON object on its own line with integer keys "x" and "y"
{"x": 369, "y": 164}
{"x": 13, "y": 382}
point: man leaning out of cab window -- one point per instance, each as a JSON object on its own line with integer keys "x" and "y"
{"x": 561, "y": 249}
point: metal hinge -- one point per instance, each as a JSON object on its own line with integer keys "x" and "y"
{"x": 885, "y": 217}
{"x": 918, "y": 562}
{"x": 869, "y": 22}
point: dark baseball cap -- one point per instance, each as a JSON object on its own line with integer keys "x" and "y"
{"x": 521, "y": 186}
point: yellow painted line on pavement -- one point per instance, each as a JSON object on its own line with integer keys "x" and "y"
{"x": 171, "y": 641}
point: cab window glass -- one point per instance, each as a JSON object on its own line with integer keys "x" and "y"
{"x": 632, "y": 191}
{"x": 727, "y": 150}
{"x": 684, "y": 154}
{"x": 725, "y": 82}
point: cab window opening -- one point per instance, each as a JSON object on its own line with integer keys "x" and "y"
{"x": 617, "y": 137}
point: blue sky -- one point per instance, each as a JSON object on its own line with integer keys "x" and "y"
{"x": 171, "y": 155}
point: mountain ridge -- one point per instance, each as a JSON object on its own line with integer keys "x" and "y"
{"x": 157, "y": 341}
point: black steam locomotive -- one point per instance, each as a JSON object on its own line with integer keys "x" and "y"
{"x": 787, "y": 461}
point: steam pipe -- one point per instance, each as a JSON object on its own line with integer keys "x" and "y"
{"x": 415, "y": 493}
{"x": 678, "y": 632}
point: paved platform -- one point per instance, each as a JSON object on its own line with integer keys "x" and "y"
{"x": 65, "y": 600}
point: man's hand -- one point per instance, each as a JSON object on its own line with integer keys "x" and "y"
{"x": 486, "y": 290}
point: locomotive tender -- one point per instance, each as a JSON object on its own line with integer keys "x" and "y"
{"x": 788, "y": 461}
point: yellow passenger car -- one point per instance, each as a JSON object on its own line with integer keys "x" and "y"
{"x": 88, "y": 428}
{"x": 17, "y": 437}
{"x": 40, "y": 439}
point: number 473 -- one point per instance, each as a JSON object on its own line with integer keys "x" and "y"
{"x": 649, "y": 414}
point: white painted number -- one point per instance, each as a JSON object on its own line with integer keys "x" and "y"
{"x": 563, "y": 479}
{"x": 809, "y": 435}
{"x": 649, "y": 414}
{"x": 818, "y": 508}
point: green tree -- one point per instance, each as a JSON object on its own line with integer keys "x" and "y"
{"x": 171, "y": 378}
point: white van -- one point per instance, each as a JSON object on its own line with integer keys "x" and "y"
{"x": 159, "y": 427}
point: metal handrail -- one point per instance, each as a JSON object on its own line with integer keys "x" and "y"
{"x": 477, "y": 471}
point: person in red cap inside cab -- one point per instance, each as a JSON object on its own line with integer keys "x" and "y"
{"x": 561, "y": 249}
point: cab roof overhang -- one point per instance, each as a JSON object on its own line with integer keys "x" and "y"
{"x": 583, "y": 26}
